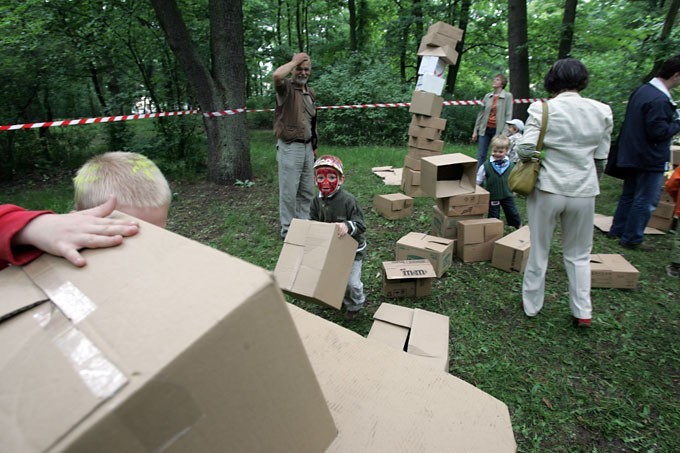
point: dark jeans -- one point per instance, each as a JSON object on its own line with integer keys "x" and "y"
{"x": 483, "y": 149}
{"x": 640, "y": 195}
{"x": 509, "y": 209}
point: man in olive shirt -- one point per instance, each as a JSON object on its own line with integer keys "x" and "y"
{"x": 295, "y": 130}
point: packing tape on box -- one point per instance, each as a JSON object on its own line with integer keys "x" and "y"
{"x": 96, "y": 371}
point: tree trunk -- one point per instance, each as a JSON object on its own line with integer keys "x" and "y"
{"x": 463, "y": 21}
{"x": 228, "y": 153}
{"x": 518, "y": 50}
{"x": 567, "y": 32}
{"x": 351, "y": 5}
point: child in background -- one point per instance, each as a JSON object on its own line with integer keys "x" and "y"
{"x": 140, "y": 188}
{"x": 335, "y": 205}
{"x": 673, "y": 188}
{"x": 25, "y": 235}
{"x": 515, "y": 131}
{"x": 493, "y": 176}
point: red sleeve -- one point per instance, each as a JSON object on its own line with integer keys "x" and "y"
{"x": 12, "y": 220}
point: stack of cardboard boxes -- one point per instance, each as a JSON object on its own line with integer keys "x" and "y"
{"x": 437, "y": 49}
{"x": 662, "y": 217}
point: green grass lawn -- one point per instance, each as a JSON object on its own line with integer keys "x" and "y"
{"x": 614, "y": 387}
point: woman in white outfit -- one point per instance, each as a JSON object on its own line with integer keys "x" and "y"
{"x": 575, "y": 143}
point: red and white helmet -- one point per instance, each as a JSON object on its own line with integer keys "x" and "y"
{"x": 329, "y": 161}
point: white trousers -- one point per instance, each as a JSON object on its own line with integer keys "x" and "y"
{"x": 576, "y": 219}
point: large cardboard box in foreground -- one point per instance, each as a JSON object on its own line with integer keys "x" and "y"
{"x": 407, "y": 278}
{"x": 384, "y": 400}
{"x": 314, "y": 263}
{"x": 422, "y": 246}
{"x": 612, "y": 271}
{"x": 511, "y": 252}
{"x": 448, "y": 175}
{"x": 160, "y": 344}
{"x": 419, "y": 332}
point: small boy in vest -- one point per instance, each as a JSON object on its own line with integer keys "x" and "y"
{"x": 335, "y": 205}
{"x": 493, "y": 176}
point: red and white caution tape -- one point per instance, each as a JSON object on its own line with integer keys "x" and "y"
{"x": 111, "y": 119}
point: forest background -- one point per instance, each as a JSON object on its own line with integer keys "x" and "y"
{"x": 76, "y": 58}
{"x": 613, "y": 388}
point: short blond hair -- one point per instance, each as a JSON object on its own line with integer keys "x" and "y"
{"x": 133, "y": 178}
{"x": 501, "y": 141}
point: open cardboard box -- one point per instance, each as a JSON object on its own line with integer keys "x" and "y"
{"x": 421, "y": 333}
{"x": 158, "y": 344}
{"x": 407, "y": 278}
{"x": 383, "y": 399}
{"x": 448, "y": 175}
{"x": 314, "y": 263}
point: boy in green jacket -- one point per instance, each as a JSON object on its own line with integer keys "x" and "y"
{"x": 335, "y": 205}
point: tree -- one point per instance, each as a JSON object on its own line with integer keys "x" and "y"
{"x": 567, "y": 31}
{"x": 665, "y": 47}
{"x": 463, "y": 20}
{"x": 221, "y": 88}
{"x": 518, "y": 50}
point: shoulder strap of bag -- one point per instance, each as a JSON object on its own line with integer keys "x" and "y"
{"x": 544, "y": 126}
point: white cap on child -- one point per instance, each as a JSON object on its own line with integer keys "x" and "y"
{"x": 519, "y": 124}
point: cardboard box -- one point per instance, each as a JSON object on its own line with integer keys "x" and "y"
{"x": 449, "y": 175}
{"x": 408, "y": 278}
{"x": 314, "y": 263}
{"x": 435, "y": 40}
{"x": 428, "y": 121}
{"x": 612, "y": 271}
{"x": 428, "y": 104}
{"x": 416, "y": 246}
{"x": 429, "y": 133}
{"x": 476, "y": 202}
{"x": 476, "y": 239}
{"x": 423, "y": 143}
{"x": 418, "y": 332}
{"x": 446, "y": 52}
{"x": 393, "y": 206}
{"x": 430, "y": 83}
{"x": 391, "y": 176}
{"x": 447, "y": 226}
{"x": 386, "y": 400}
{"x": 675, "y": 155}
{"x": 433, "y": 66}
{"x": 419, "y": 153}
{"x": 410, "y": 183}
{"x": 665, "y": 210}
{"x": 445, "y": 29}
{"x": 161, "y": 343}
{"x": 660, "y": 223}
{"x": 511, "y": 252}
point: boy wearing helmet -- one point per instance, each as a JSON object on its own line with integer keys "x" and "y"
{"x": 335, "y": 205}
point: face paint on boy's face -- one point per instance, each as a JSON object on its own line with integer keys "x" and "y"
{"x": 327, "y": 180}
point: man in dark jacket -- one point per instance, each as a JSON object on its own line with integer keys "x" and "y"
{"x": 650, "y": 123}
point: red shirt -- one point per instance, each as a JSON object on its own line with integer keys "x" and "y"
{"x": 12, "y": 220}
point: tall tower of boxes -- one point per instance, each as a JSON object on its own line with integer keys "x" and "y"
{"x": 437, "y": 49}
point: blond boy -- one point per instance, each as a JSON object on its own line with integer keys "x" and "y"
{"x": 139, "y": 186}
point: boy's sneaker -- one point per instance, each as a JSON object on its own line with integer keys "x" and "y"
{"x": 673, "y": 270}
{"x": 581, "y": 323}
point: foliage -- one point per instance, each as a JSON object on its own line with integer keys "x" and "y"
{"x": 613, "y": 388}
{"x": 360, "y": 80}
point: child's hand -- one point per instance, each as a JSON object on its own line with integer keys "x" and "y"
{"x": 65, "y": 234}
{"x": 342, "y": 229}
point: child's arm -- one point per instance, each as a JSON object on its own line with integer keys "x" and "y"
{"x": 673, "y": 184}
{"x": 354, "y": 225}
{"x": 65, "y": 234}
{"x": 481, "y": 175}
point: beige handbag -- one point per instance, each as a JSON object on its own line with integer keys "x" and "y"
{"x": 523, "y": 175}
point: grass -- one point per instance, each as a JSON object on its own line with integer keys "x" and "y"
{"x": 612, "y": 388}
